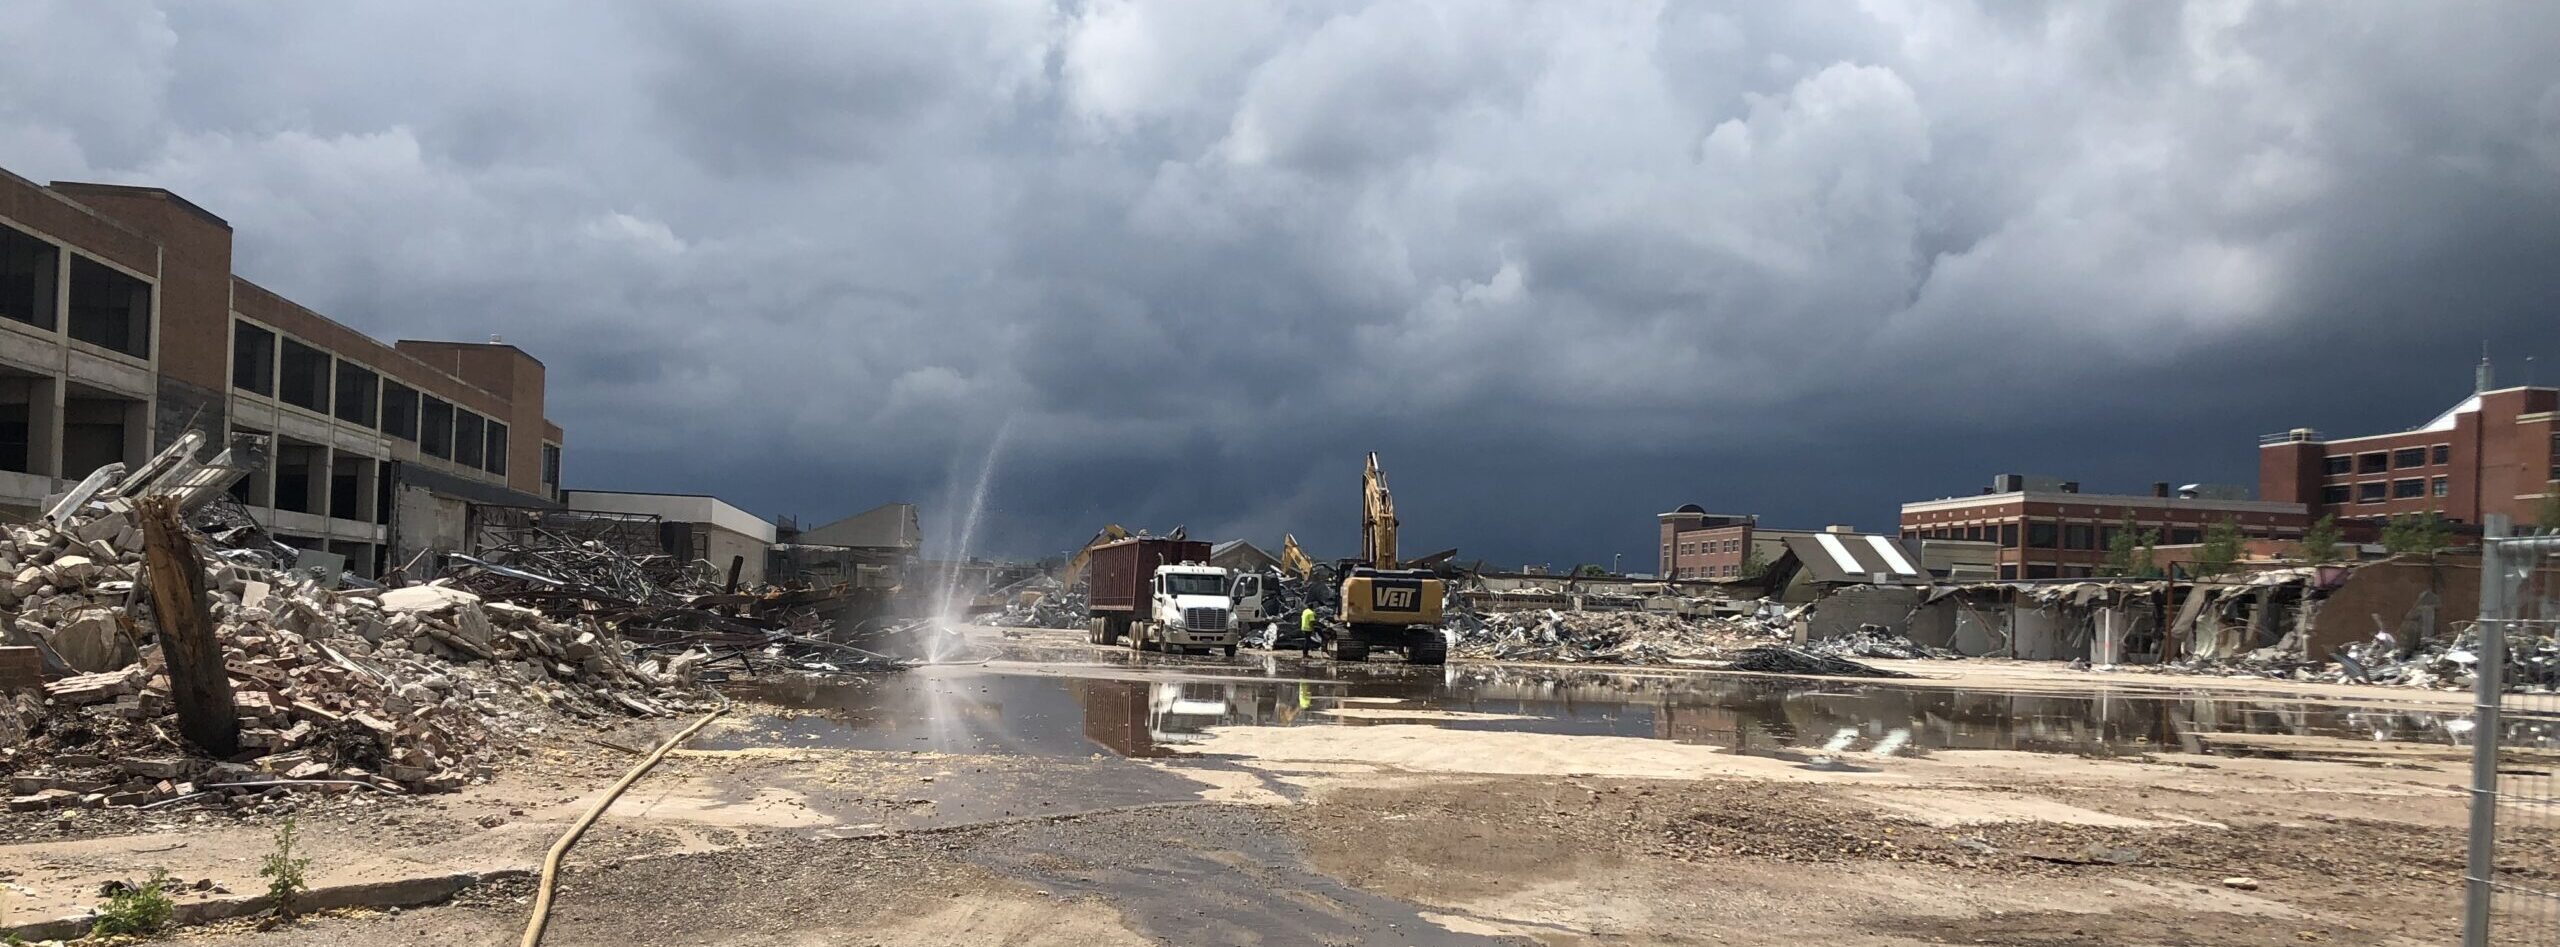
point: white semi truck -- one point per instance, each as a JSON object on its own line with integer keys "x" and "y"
{"x": 1159, "y": 595}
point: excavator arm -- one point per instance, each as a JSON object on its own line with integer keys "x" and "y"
{"x": 1294, "y": 560}
{"x": 1074, "y": 569}
{"x": 1377, "y": 517}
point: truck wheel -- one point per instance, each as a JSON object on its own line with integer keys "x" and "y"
{"x": 1231, "y": 651}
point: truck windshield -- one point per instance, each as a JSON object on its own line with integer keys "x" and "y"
{"x": 1178, "y": 584}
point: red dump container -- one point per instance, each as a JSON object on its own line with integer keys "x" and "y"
{"x": 1116, "y": 575}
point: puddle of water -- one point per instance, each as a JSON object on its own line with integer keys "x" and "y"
{"x": 1054, "y": 710}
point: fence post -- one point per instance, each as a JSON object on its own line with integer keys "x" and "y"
{"x": 2487, "y": 691}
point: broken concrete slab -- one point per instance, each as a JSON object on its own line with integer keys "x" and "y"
{"x": 426, "y": 598}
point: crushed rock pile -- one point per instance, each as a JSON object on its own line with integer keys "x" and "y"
{"x": 402, "y": 690}
{"x": 1601, "y": 637}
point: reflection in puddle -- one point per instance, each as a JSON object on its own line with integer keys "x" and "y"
{"x": 1038, "y": 711}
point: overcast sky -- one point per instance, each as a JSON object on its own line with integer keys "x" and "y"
{"x": 1564, "y": 265}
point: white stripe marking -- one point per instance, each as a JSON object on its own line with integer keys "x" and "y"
{"x": 1840, "y": 554}
{"x": 1892, "y": 555}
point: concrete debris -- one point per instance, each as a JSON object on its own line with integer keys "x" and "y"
{"x": 1874, "y": 641}
{"x": 1782, "y": 659}
{"x": 1043, "y": 603}
{"x": 2441, "y": 664}
{"x": 401, "y": 690}
{"x": 1602, "y": 637}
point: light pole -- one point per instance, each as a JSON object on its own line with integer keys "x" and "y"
{"x": 1613, "y": 563}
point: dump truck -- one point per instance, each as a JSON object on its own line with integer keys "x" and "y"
{"x": 1158, "y": 594}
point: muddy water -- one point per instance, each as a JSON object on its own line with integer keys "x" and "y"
{"x": 1079, "y": 703}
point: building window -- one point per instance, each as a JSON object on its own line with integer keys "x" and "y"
{"x": 2008, "y": 535}
{"x": 2375, "y": 462}
{"x": 2407, "y": 457}
{"x": 496, "y": 462}
{"x": 2370, "y": 492}
{"x": 2008, "y": 572}
{"x": 470, "y": 439}
{"x": 2039, "y": 572}
{"x": 109, "y": 309}
{"x": 305, "y": 377}
{"x": 2407, "y": 489}
{"x": 435, "y": 427}
{"x": 2443, "y": 454}
{"x": 28, "y": 267}
{"x": 2442, "y": 486}
{"x": 2040, "y": 535}
{"x": 2337, "y": 465}
{"x": 2078, "y": 536}
{"x": 399, "y": 411}
{"x": 359, "y": 394}
{"x": 2336, "y": 494}
{"x": 253, "y": 359}
{"x": 2185, "y": 536}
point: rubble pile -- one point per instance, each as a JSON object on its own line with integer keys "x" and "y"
{"x": 399, "y": 690}
{"x": 1601, "y": 637}
{"x": 2438, "y": 664}
{"x": 1043, "y": 603}
{"x": 1782, "y": 659}
{"x": 1874, "y": 641}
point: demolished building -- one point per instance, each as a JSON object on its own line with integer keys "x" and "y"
{"x": 130, "y": 329}
{"x": 2331, "y": 622}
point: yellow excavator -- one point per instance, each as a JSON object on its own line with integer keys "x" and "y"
{"x": 1383, "y": 605}
{"x": 1294, "y": 560}
{"x": 1074, "y": 571}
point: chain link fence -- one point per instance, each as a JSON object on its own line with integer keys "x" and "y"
{"x": 2511, "y": 892}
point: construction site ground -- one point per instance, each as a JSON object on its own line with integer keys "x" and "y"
{"x": 1042, "y": 790}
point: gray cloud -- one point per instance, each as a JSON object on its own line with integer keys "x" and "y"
{"x": 1566, "y": 264}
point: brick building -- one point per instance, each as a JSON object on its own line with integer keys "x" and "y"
{"x": 1697, "y": 544}
{"x": 122, "y": 326}
{"x": 2498, "y": 451}
{"x": 2048, "y": 529}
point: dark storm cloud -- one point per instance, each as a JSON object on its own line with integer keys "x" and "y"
{"x": 1564, "y": 264}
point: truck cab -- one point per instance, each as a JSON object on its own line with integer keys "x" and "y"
{"x": 1191, "y": 609}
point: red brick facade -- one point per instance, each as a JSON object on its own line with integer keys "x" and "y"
{"x": 2498, "y": 452}
{"x": 2057, "y": 535}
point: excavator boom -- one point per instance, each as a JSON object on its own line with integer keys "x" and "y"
{"x": 1294, "y": 559}
{"x": 1377, "y": 517}
{"x": 1074, "y": 569}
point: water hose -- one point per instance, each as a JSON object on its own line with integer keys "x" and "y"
{"x": 551, "y": 863}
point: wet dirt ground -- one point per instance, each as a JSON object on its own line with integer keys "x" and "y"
{"x": 1053, "y": 792}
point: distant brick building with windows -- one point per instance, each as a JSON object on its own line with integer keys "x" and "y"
{"x": 2048, "y": 529}
{"x": 1697, "y": 544}
{"x": 2498, "y": 451}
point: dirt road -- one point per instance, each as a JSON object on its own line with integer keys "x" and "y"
{"x": 1064, "y": 794}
